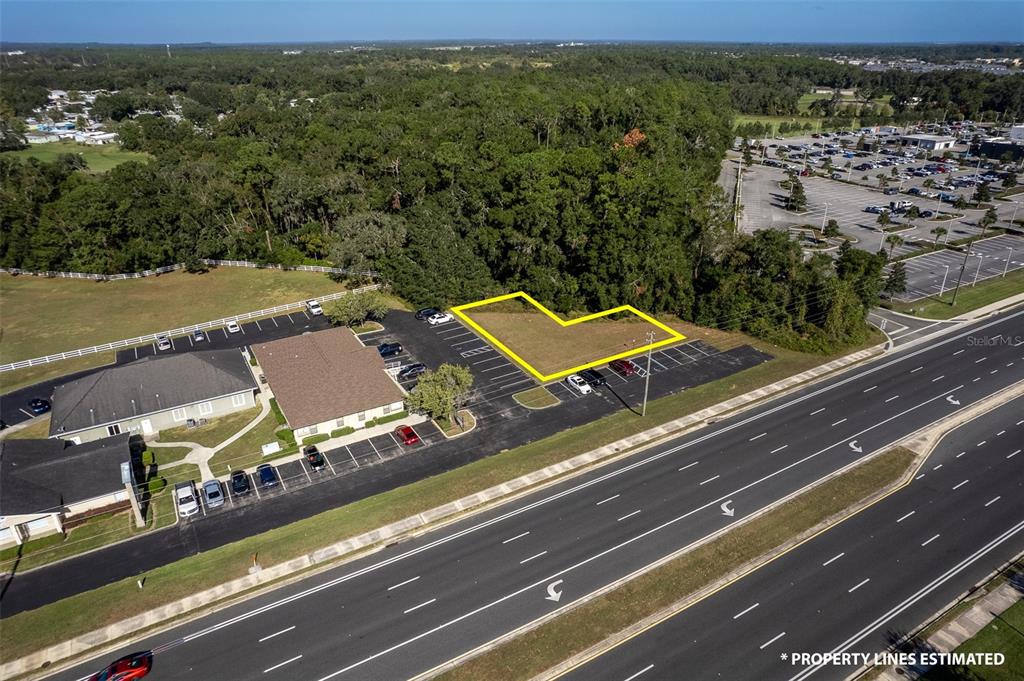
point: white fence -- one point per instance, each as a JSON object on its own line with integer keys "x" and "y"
{"x": 149, "y": 338}
{"x": 171, "y": 268}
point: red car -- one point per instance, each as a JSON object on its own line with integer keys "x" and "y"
{"x": 406, "y": 435}
{"x": 623, "y": 367}
{"x": 128, "y": 668}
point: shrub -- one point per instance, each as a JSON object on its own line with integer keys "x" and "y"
{"x": 156, "y": 485}
{"x": 286, "y": 435}
{"x": 278, "y": 414}
{"x": 341, "y": 432}
{"x": 316, "y": 439}
{"x": 386, "y": 419}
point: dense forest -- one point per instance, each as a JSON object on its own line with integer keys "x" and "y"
{"x": 586, "y": 178}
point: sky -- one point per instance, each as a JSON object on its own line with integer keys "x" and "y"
{"x": 263, "y": 21}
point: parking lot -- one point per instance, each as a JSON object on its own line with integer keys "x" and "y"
{"x": 935, "y": 273}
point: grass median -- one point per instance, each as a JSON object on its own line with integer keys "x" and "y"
{"x": 986, "y": 292}
{"x": 29, "y": 631}
{"x": 593, "y": 622}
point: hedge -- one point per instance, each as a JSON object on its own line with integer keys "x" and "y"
{"x": 386, "y": 419}
{"x": 316, "y": 439}
{"x": 347, "y": 430}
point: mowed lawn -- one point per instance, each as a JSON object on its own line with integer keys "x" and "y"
{"x": 44, "y": 316}
{"x": 550, "y": 347}
{"x": 99, "y": 157}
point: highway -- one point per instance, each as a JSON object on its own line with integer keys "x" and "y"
{"x": 421, "y": 602}
{"x": 882, "y": 572}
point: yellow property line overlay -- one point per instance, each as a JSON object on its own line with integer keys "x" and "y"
{"x": 674, "y": 336}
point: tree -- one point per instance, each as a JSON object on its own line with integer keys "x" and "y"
{"x": 939, "y": 232}
{"x": 883, "y": 181}
{"x": 912, "y": 214}
{"x": 883, "y": 220}
{"x": 831, "y": 228}
{"x": 928, "y": 183}
{"x": 797, "y": 198}
{"x": 893, "y": 240}
{"x": 1010, "y": 180}
{"x": 960, "y": 203}
{"x": 987, "y": 220}
{"x": 356, "y": 308}
{"x": 363, "y": 240}
{"x": 896, "y": 281}
{"x": 982, "y": 193}
{"x": 442, "y": 392}
{"x": 748, "y": 158}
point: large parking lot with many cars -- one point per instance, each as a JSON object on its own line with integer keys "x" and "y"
{"x": 933, "y": 274}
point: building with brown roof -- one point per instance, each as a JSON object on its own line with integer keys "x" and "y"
{"x": 328, "y": 380}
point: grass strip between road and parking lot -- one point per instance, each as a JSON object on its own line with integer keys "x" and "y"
{"x": 37, "y": 629}
{"x": 1004, "y": 634}
{"x": 986, "y": 292}
{"x": 22, "y": 378}
{"x": 579, "y": 629}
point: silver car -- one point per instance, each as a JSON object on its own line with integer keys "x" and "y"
{"x": 213, "y": 495}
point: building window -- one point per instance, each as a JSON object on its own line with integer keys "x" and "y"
{"x": 238, "y": 400}
{"x": 179, "y": 414}
{"x": 206, "y": 408}
{"x": 387, "y": 409}
{"x": 114, "y": 430}
{"x": 362, "y": 416}
{"x": 312, "y": 430}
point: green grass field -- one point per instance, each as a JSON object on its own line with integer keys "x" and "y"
{"x": 969, "y": 298}
{"x": 1005, "y": 634}
{"x": 100, "y": 158}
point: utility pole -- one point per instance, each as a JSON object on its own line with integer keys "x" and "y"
{"x": 1007, "y": 265}
{"x": 824, "y": 218}
{"x": 963, "y": 266}
{"x": 647, "y": 378}
{"x": 942, "y": 289}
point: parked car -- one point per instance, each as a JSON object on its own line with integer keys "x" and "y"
{"x": 185, "y": 496}
{"x": 623, "y": 367}
{"x": 128, "y": 668}
{"x": 577, "y": 384}
{"x": 389, "y": 349}
{"x": 426, "y": 313}
{"x": 440, "y": 318}
{"x": 212, "y": 494}
{"x": 267, "y": 475}
{"x": 927, "y": 214}
{"x": 198, "y": 336}
{"x": 411, "y": 371}
{"x": 163, "y": 343}
{"x": 406, "y": 435}
{"x": 38, "y": 406}
{"x": 890, "y": 191}
{"x": 314, "y": 307}
{"x": 314, "y": 458}
{"x": 593, "y": 377}
{"x": 873, "y": 209}
{"x": 233, "y": 327}
{"x": 837, "y": 176}
{"x": 240, "y": 486}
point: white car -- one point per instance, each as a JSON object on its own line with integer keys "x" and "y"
{"x": 440, "y": 318}
{"x": 163, "y": 343}
{"x": 185, "y": 496}
{"x": 233, "y": 327}
{"x": 575, "y": 382}
{"x": 314, "y": 307}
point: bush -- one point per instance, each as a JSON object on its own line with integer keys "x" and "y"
{"x": 286, "y": 435}
{"x": 341, "y": 432}
{"x": 386, "y": 419}
{"x": 156, "y": 485}
{"x": 148, "y": 458}
{"x": 316, "y": 439}
{"x": 278, "y": 414}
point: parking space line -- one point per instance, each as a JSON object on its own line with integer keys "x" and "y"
{"x": 370, "y": 440}
{"x": 500, "y": 366}
{"x": 289, "y": 316}
{"x": 257, "y": 323}
{"x": 305, "y": 469}
{"x": 330, "y": 465}
{"x": 255, "y": 487}
{"x": 489, "y": 359}
{"x": 281, "y": 477}
{"x": 351, "y": 455}
{"x": 274, "y": 319}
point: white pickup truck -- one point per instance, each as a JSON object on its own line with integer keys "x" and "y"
{"x": 185, "y": 496}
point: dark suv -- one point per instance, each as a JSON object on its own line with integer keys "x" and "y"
{"x": 389, "y": 349}
{"x": 411, "y": 371}
{"x": 593, "y": 377}
{"x": 267, "y": 475}
{"x": 424, "y": 313}
{"x": 240, "y": 484}
{"x": 314, "y": 458}
{"x": 623, "y": 367}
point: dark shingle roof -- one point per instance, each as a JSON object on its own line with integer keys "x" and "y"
{"x": 39, "y": 476}
{"x": 154, "y": 384}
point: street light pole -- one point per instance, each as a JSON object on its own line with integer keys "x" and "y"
{"x": 647, "y": 378}
{"x": 1016, "y": 205}
{"x": 942, "y": 289}
{"x": 824, "y": 218}
{"x": 1007, "y": 265}
{"x": 963, "y": 266}
{"x": 977, "y": 271}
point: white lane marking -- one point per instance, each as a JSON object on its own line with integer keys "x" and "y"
{"x": 1001, "y": 432}
{"x": 938, "y": 378}
{"x": 961, "y": 484}
{"x": 919, "y": 477}
{"x": 537, "y": 555}
{"x": 603, "y": 501}
{"x": 778, "y": 449}
{"x": 981, "y": 443}
{"x": 894, "y": 397}
{"x": 833, "y": 559}
{"x": 993, "y": 501}
{"x": 935, "y": 468}
{"x": 518, "y": 536}
{"x": 929, "y": 541}
{"x": 772, "y": 640}
{"x": 629, "y": 515}
{"x": 976, "y": 380}
{"x": 916, "y": 370}
{"x": 710, "y": 479}
{"x": 817, "y": 411}
{"x": 642, "y": 671}
{"x": 689, "y": 465}
{"x": 283, "y": 631}
{"x": 757, "y": 437}
{"x": 408, "y": 581}
{"x": 744, "y": 612}
{"x": 906, "y": 516}
{"x": 1013, "y": 454}
{"x": 26, "y": 413}
{"x": 957, "y": 352}
{"x": 978, "y": 361}
{"x": 960, "y": 454}
{"x": 421, "y": 605}
{"x": 867, "y": 390}
{"x": 281, "y": 664}
{"x": 859, "y": 585}
{"x": 838, "y": 422}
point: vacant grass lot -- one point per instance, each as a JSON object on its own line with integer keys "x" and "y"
{"x": 80, "y": 313}
{"x": 246, "y": 451}
{"x": 36, "y": 629}
{"x": 214, "y": 432}
{"x": 549, "y": 644}
{"x": 969, "y": 298}
{"x": 536, "y": 398}
{"x": 1005, "y": 634}
{"x": 550, "y": 347}
{"x": 100, "y": 158}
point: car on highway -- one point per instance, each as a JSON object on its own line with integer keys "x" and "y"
{"x": 213, "y": 495}
{"x": 623, "y": 367}
{"x": 578, "y": 385}
{"x": 163, "y": 343}
{"x": 240, "y": 486}
{"x": 267, "y": 475}
{"x": 425, "y": 313}
{"x": 440, "y": 318}
{"x": 185, "y": 498}
{"x": 389, "y": 349}
{"x": 315, "y": 458}
{"x": 198, "y": 336}
{"x": 128, "y": 668}
{"x": 411, "y": 371}
{"x": 406, "y": 435}
{"x": 314, "y": 308}
{"x": 38, "y": 406}
{"x": 233, "y": 327}
{"x": 593, "y": 377}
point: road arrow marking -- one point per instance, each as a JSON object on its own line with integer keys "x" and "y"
{"x": 952, "y": 400}
{"x": 553, "y": 593}
{"x": 726, "y": 510}
{"x": 854, "y": 447}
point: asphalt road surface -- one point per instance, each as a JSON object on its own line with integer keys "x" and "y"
{"x": 860, "y": 586}
{"x": 419, "y": 603}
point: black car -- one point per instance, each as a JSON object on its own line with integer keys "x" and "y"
{"x": 240, "y": 484}
{"x": 267, "y": 475}
{"x": 38, "y": 406}
{"x": 426, "y": 312}
{"x": 593, "y": 377}
{"x": 389, "y": 349}
{"x": 411, "y": 371}
{"x": 315, "y": 459}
